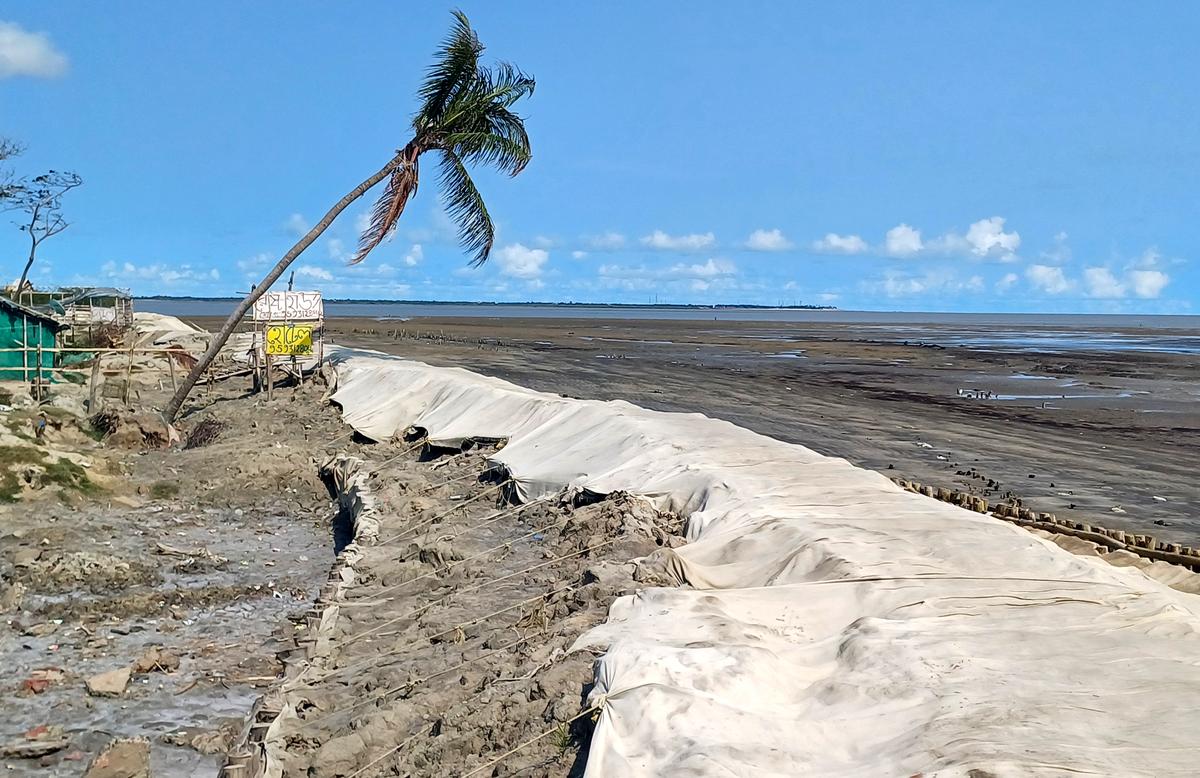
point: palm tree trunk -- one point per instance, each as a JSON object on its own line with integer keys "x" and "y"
{"x": 222, "y": 336}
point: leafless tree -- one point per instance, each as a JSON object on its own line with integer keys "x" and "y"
{"x": 8, "y": 181}
{"x": 40, "y": 198}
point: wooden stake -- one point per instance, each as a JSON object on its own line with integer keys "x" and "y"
{"x": 128, "y": 376}
{"x": 94, "y": 385}
{"x": 171, "y": 365}
{"x": 270, "y": 378}
{"x": 39, "y": 372}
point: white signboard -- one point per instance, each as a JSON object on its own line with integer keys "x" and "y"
{"x": 289, "y": 306}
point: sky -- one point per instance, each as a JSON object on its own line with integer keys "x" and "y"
{"x": 942, "y": 156}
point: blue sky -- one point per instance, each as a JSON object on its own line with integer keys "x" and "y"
{"x": 1013, "y": 156}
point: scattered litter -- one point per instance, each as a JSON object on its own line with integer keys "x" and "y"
{"x": 1117, "y": 509}
{"x": 1156, "y": 498}
{"x": 923, "y": 445}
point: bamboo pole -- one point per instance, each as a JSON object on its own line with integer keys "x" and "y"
{"x": 24, "y": 348}
{"x": 39, "y": 372}
{"x": 171, "y": 365}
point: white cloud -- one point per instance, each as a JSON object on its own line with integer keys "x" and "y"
{"x": 578, "y": 254}
{"x": 693, "y": 242}
{"x": 713, "y": 268}
{"x": 609, "y": 241}
{"x": 694, "y": 276}
{"x": 318, "y": 273}
{"x": 297, "y": 225}
{"x": 987, "y": 237}
{"x": 1148, "y": 284}
{"x": 1007, "y": 282}
{"x": 159, "y": 274}
{"x": 24, "y": 53}
{"x": 1048, "y": 279}
{"x": 1149, "y": 259}
{"x": 414, "y": 255}
{"x": 520, "y": 262}
{"x": 903, "y": 241}
{"x": 1060, "y": 252}
{"x": 337, "y": 249}
{"x": 768, "y": 240}
{"x": 256, "y": 263}
{"x": 897, "y": 284}
{"x": 1101, "y": 283}
{"x": 833, "y": 243}
{"x": 543, "y": 242}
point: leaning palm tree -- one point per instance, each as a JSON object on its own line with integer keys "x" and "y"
{"x": 465, "y": 117}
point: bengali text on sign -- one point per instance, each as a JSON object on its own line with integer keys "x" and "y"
{"x": 290, "y": 340}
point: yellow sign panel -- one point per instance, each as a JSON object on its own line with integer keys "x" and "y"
{"x": 289, "y": 340}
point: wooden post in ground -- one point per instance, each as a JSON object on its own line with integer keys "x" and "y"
{"x": 94, "y": 385}
{"x": 39, "y": 372}
{"x": 270, "y": 378}
{"x": 128, "y": 376}
{"x": 171, "y": 365}
{"x": 24, "y": 348}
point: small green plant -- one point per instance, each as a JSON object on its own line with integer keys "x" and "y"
{"x": 562, "y": 738}
{"x": 69, "y": 475}
{"x": 62, "y": 472}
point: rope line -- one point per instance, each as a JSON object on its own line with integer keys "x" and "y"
{"x": 383, "y": 756}
{"x": 407, "y": 685}
{"x": 531, "y": 741}
{"x": 491, "y": 520}
{"x": 375, "y": 470}
{"x": 444, "y": 514}
{"x": 457, "y": 592}
{"x": 373, "y": 662}
{"x": 456, "y": 563}
{"x": 464, "y": 477}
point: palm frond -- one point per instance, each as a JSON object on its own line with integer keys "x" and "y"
{"x": 401, "y": 186}
{"x": 455, "y": 66}
{"x": 466, "y": 207}
{"x": 487, "y": 148}
{"x": 505, "y": 85}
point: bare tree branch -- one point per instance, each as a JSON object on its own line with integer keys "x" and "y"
{"x": 41, "y": 200}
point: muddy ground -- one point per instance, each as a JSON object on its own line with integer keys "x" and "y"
{"x": 451, "y": 645}
{"x": 201, "y": 555}
{"x": 1117, "y": 450}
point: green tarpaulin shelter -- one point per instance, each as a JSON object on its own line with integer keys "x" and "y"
{"x": 22, "y": 327}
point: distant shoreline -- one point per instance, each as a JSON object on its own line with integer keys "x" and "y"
{"x": 640, "y": 306}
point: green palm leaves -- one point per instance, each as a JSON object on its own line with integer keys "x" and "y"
{"x": 466, "y": 117}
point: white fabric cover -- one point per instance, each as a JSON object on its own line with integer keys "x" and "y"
{"x": 838, "y": 625}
